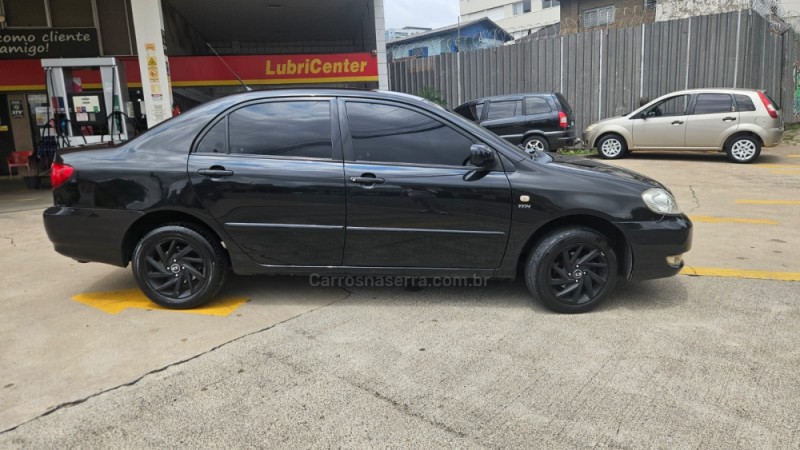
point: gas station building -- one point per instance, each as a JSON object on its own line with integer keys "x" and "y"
{"x": 76, "y": 68}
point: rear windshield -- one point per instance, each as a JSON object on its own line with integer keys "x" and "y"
{"x": 564, "y": 103}
{"x": 774, "y": 103}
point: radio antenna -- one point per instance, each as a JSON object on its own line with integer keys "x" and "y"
{"x": 246, "y": 87}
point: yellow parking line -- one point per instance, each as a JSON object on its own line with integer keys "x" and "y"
{"x": 778, "y": 166}
{"x": 769, "y": 202}
{"x": 793, "y": 156}
{"x": 114, "y": 302}
{"x": 736, "y": 273}
{"x": 709, "y": 219}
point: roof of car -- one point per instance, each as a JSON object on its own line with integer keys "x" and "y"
{"x": 712, "y": 90}
{"x": 506, "y": 97}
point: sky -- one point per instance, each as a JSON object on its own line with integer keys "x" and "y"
{"x": 420, "y": 13}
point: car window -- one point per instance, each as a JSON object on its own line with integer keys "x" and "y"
{"x": 300, "y": 129}
{"x": 744, "y": 103}
{"x": 386, "y": 133}
{"x": 215, "y": 141}
{"x": 504, "y": 109}
{"x": 536, "y": 105}
{"x": 713, "y": 103}
{"x": 674, "y": 106}
{"x": 477, "y": 110}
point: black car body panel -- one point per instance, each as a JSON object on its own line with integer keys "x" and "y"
{"x": 283, "y": 215}
{"x": 533, "y": 114}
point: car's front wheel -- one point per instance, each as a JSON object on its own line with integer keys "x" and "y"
{"x": 612, "y": 146}
{"x": 177, "y": 266}
{"x": 743, "y": 149}
{"x": 536, "y": 144}
{"x": 572, "y": 270}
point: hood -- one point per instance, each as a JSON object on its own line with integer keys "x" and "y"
{"x": 589, "y": 166}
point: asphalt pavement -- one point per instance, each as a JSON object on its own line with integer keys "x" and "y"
{"x": 705, "y": 361}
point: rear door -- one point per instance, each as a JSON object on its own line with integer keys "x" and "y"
{"x": 271, "y": 174}
{"x": 540, "y": 114}
{"x": 505, "y": 118}
{"x": 714, "y": 117}
{"x": 427, "y": 206}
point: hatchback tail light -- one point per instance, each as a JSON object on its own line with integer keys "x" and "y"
{"x": 562, "y": 119}
{"x": 60, "y": 173}
{"x": 768, "y": 104}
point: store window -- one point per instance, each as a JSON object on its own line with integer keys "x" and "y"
{"x": 49, "y": 13}
{"x": 26, "y": 13}
{"x": 522, "y": 7}
{"x": 71, "y": 13}
{"x": 598, "y": 17}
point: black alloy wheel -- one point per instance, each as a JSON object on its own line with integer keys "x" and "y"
{"x": 178, "y": 267}
{"x": 572, "y": 270}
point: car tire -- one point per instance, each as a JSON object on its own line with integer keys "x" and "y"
{"x": 572, "y": 256}
{"x": 534, "y": 143}
{"x": 186, "y": 254}
{"x": 612, "y": 146}
{"x": 743, "y": 149}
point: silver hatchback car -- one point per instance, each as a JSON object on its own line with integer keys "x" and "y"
{"x": 736, "y": 121}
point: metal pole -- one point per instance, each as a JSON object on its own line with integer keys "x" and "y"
{"x": 688, "y": 51}
{"x": 736, "y": 60}
{"x": 641, "y": 69}
{"x": 600, "y": 86}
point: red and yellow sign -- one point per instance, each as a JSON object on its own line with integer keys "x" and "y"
{"x": 19, "y": 75}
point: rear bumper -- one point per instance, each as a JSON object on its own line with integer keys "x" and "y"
{"x": 89, "y": 234}
{"x": 652, "y": 242}
{"x": 773, "y": 136}
{"x": 558, "y": 139}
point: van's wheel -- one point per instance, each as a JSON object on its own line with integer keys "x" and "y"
{"x": 743, "y": 149}
{"x": 572, "y": 270}
{"x": 612, "y": 146}
{"x": 536, "y": 143}
{"x": 179, "y": 267}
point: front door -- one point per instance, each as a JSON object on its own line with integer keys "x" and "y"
{"x": 663, "y": 125}
{"x": 271, "y": 176}
{"x": 413, "y": 200}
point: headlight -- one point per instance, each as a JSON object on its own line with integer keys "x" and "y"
{"x": 660, "y": 201}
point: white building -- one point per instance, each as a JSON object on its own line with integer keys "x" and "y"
{"x": 400, "y": 33}
{"x": 519, "y": 18}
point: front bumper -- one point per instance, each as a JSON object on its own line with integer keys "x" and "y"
{"x": 651, "y": 242}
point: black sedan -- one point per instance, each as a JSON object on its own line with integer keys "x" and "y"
{"x": 356, "y": 183}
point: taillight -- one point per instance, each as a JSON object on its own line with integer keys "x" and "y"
{"x": 768, "y": 104}
{"x": 562, "y": 119}
{"x": 60, "y": 173}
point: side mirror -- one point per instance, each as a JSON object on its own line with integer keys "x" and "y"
{"x": 481, "y": 155}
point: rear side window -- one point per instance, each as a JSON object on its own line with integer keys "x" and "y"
{"x": 299, "y": 129}
{"x": 216, "y": 140}
{"x": 713, "y": 103}
{"x": 386, "y": 133}
{"x": 505, "y": 109}
{"x": 536, "y": 105}
{"x": 744, "y": 103}
{"x": 564, "y": 103}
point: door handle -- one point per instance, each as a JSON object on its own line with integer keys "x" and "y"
{"x": 677, "y": 122}
{"x": 729, "y": 119}
{"x": 215, "y": 172}
{"x": 367, "y": 179}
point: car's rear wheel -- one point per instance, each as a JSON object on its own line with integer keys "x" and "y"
{"x": 180, "y": 267}
{"x": 743, "y": 149}
{"x": 572, "y": 270}
{"x": 612, "y": 146}
{"x": 536, "y": 143}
